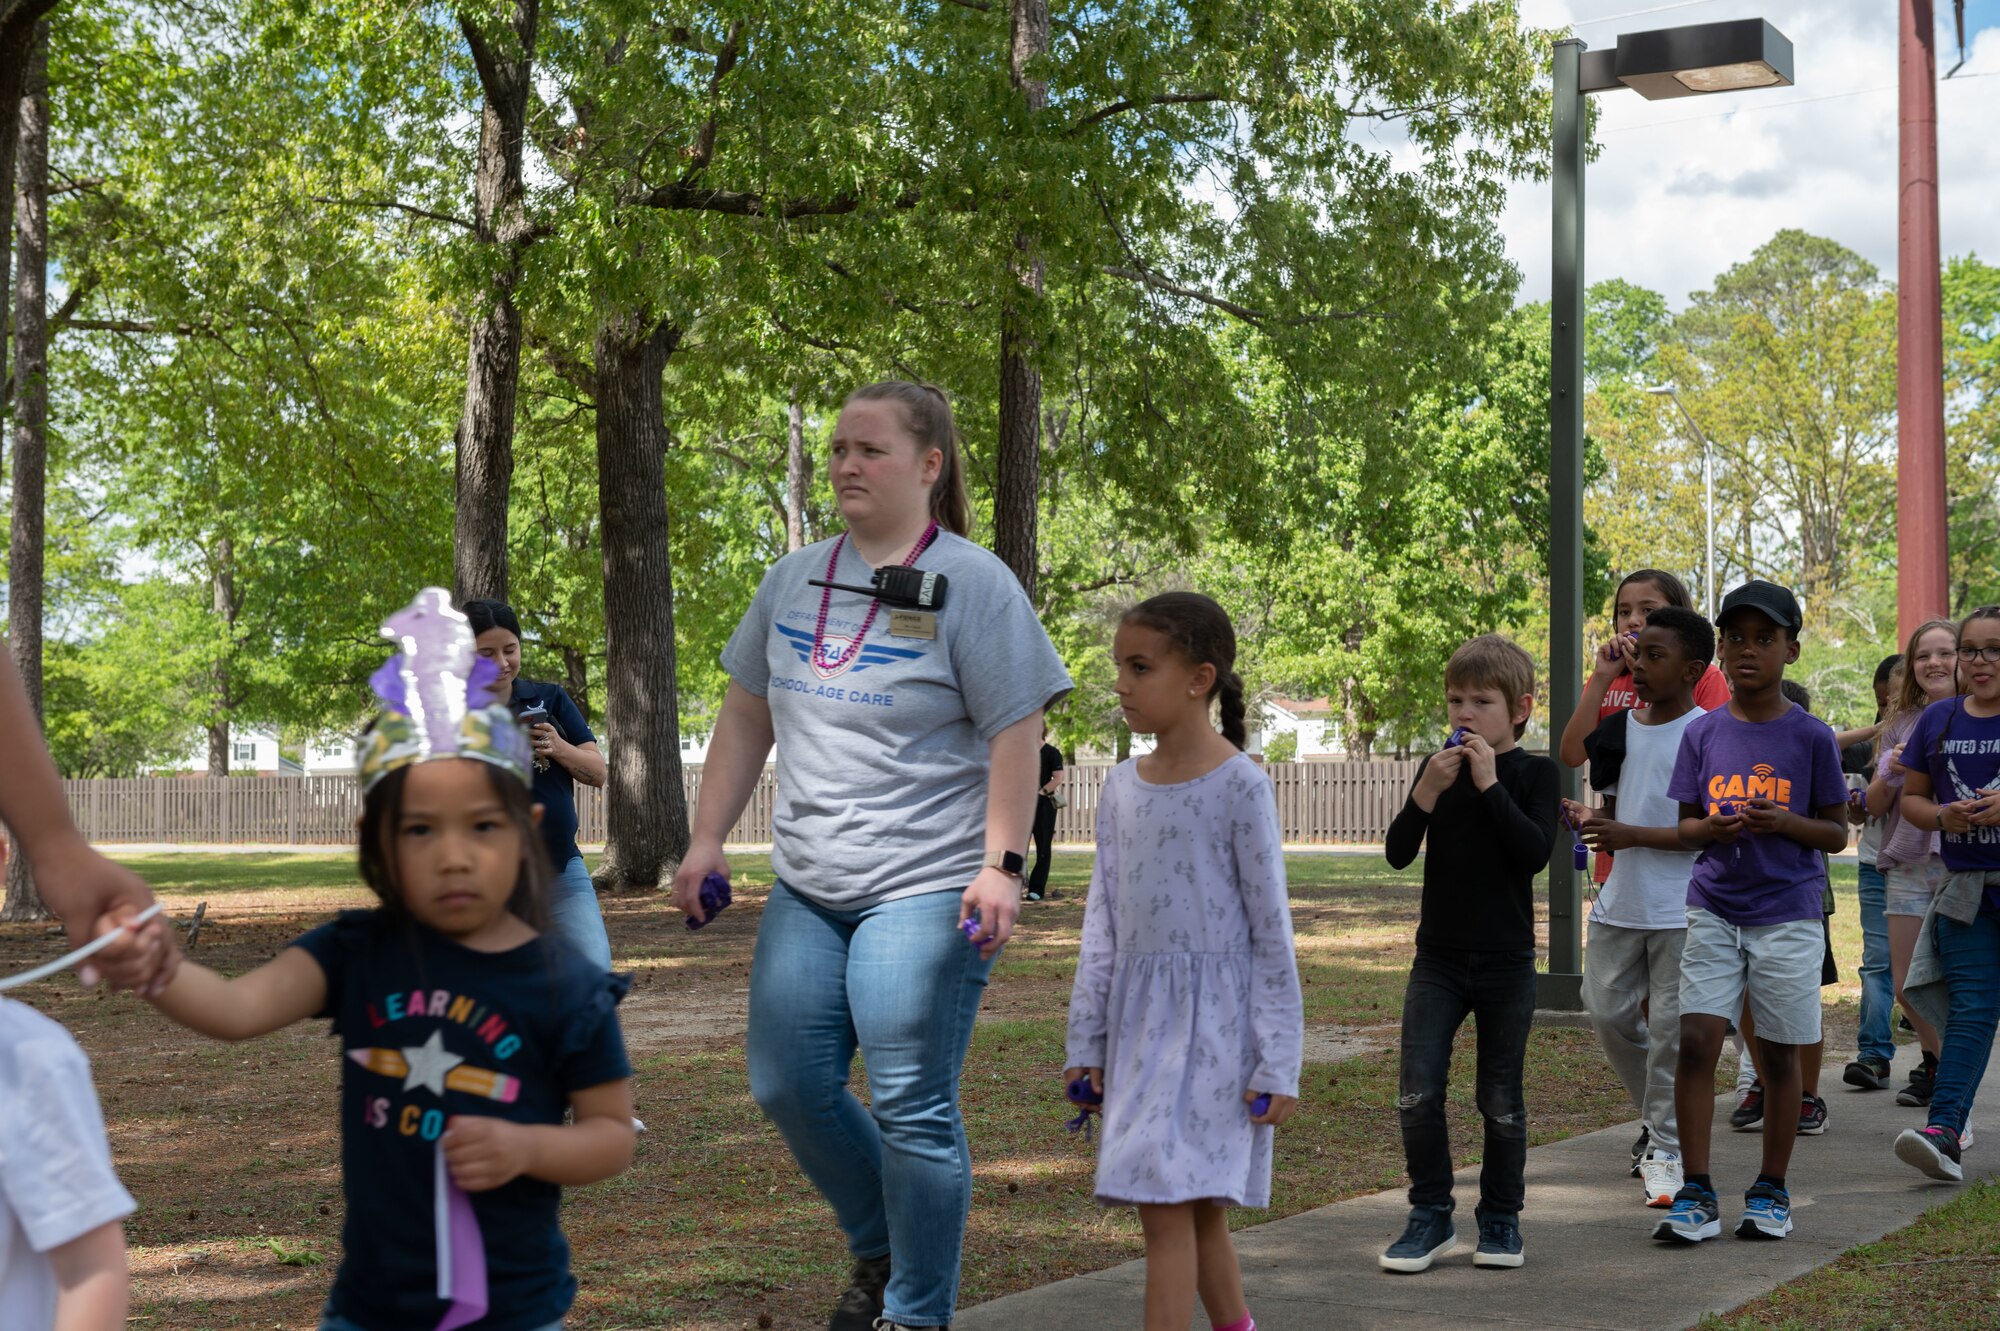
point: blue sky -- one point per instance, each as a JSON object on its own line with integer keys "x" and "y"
{"x": 1685, "y": 188}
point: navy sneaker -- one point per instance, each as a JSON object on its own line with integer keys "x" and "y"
{"x": 1499, "y": 1240}
{"x": 1428, "y": 1236}
{"x": 1812, "y": 1117}
{"x": 1933, "y": 1150}
{"x": 1749, "y": 1115}
{"x": 1767, "y": 1213}
{"x": 1695, "y": 1217}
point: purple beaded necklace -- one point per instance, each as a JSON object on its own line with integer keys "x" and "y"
{"x": 874, "y": 606}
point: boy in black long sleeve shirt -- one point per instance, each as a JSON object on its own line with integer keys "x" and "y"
{"x": 1489, "y": 812}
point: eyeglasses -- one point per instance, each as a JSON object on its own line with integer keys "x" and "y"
{"x": 1979, "y": 654}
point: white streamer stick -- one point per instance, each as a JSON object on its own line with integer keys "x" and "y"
{"x": 89, "y": 949}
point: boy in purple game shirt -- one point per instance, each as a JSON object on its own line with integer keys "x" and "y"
{"x": 1761, "y": 796}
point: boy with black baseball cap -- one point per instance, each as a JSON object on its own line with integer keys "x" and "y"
{"x": 1760, "y": 794}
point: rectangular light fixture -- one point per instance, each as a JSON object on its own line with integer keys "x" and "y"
{"x": 1702, "y": 58}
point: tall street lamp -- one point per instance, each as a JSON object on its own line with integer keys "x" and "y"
{"x": 1669, "y": 62}
{"x": 1708, "y": 496}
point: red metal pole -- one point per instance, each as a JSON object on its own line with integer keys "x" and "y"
{"x": 1922, "y": 584}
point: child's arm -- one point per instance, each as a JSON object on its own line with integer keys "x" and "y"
{"x": 1609, "y": 663}
{"x": 92, "y": 1285}
{"x": 1405, "y": 836}
{"x": 1921, "y": 808}
{"x": 485, "y": 1153}
{"x": 1610, "y": 834}
{"x": 1527, "y": 829}
{"x": 1277, "y": 1008}
{"x": 288, "y": 988}
{"x": 1826, "y": 830}
{"x": 1700, "y": 829}
{"x": 1090, "y": 992}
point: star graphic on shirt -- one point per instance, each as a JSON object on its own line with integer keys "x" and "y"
{"x": 429, "y": 1062}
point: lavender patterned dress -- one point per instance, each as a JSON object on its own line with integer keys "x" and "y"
{"x": 1187, "y": 991}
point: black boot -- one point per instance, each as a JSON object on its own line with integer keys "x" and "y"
{"x": 862, "y": 1303}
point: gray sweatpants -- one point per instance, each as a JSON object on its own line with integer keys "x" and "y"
{"x": 1623, "y": 968}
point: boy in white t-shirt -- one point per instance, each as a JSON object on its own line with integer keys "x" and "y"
{"x": 1632, "y": 967}
{"x": 62, "y": 1237}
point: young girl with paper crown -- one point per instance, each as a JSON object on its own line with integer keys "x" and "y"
{"x": 1186, "y": 1015}
{"x": 467, "y": 1030}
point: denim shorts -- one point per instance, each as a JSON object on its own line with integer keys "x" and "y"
{"x": 1911, "y": 886}
{"x": 1779, "y": 963}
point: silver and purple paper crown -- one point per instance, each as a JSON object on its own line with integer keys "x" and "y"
{"x": 439, "y": 697}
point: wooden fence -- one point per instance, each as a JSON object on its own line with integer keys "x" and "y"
{"x": 1318, "y": 803}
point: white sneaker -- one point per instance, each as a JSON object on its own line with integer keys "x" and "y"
{"x": 1965, "y": 1138}
{"x": 1662, "y": 1173}
{"x": 637, "y": 1127}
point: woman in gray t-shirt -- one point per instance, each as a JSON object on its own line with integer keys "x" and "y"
{"x": 907, "y": 748}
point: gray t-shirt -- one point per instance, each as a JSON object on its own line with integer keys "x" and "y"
{"x": 883, "y": 761}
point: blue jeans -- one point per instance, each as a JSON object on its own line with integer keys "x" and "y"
{"x": 1497, "y": 989}
{"x": 329, "y": 1322}
{"x": 1878, "y": 993}
{"x": 902, "y": 984}
{"x": 574, "y": 912}
{"x": 1970, "y": 954}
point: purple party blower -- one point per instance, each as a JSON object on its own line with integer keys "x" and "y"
{"x": 1457, "y": 737}
{"x": 715, "y": 898}
{"x": 1261, "y": 1105}
{"x": 969, "y": 926}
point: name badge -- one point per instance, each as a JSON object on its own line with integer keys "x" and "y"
{"x": 912, "y": 624}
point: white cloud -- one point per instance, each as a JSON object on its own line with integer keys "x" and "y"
{"x": 1683, "y": 189}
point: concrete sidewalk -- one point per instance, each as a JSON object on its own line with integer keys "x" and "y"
{"x": 1591, "y": 1262}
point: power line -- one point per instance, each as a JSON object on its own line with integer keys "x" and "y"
{"x": 1636, "y": 13}
{"x": 1777, "y": 106}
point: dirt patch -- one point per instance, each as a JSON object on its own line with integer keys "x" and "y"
{"x": 1337, "y": 1044}
{"x": 655, "y": 1019}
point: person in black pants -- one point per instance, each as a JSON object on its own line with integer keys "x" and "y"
{"x": 1045, "y": 821}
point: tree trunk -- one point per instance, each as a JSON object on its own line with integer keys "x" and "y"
{"x": 483, "y": 470}
{"x": 576, "y": 680}
{"x": 1017, "y": 464}
{"x": 646, "y": 809}
{"x": 19, "y": 24}
{"x": 222, "y": 583}
{"x": 31, "y": 413}
{"x": 797, "y": 471}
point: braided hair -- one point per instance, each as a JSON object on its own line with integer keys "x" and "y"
{"x": 1201, "y": 632}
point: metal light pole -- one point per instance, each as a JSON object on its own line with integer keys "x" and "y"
{"x": 1708, "y": 495}
{"x": 1668, "y": 62}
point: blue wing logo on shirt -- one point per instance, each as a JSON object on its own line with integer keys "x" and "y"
{"x": 828, "y": 664}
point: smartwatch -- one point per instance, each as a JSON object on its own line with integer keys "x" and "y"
{"x": 1006, "y": 861}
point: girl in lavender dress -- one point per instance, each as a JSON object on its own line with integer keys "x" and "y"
{"x": 1186, "y": 1013}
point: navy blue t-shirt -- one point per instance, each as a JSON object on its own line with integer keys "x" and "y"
{"x": 555, "y": 789}
{"x": 428, "y": 1029}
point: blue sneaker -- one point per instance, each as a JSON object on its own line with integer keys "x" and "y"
{"x": 1695, "y": 1217}
{"x": 1428, "y": 1236}
{"x": 1767, "y": 1213}
{"x": 1499, "y": 1240}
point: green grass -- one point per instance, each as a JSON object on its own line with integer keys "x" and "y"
{"x": 1942, "y": 1271}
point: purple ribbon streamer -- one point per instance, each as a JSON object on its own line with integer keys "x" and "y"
{"x": 461, "y": 1252}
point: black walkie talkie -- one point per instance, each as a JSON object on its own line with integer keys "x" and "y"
{"x": 898, "y": 587}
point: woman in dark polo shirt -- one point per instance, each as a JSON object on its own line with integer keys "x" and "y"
{"x": 565, "y": 753}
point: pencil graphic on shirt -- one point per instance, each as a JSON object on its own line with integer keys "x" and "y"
{"x": 473, "y": 1081}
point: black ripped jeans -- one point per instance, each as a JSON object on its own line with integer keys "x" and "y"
{"x": 1498, "y": 990}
